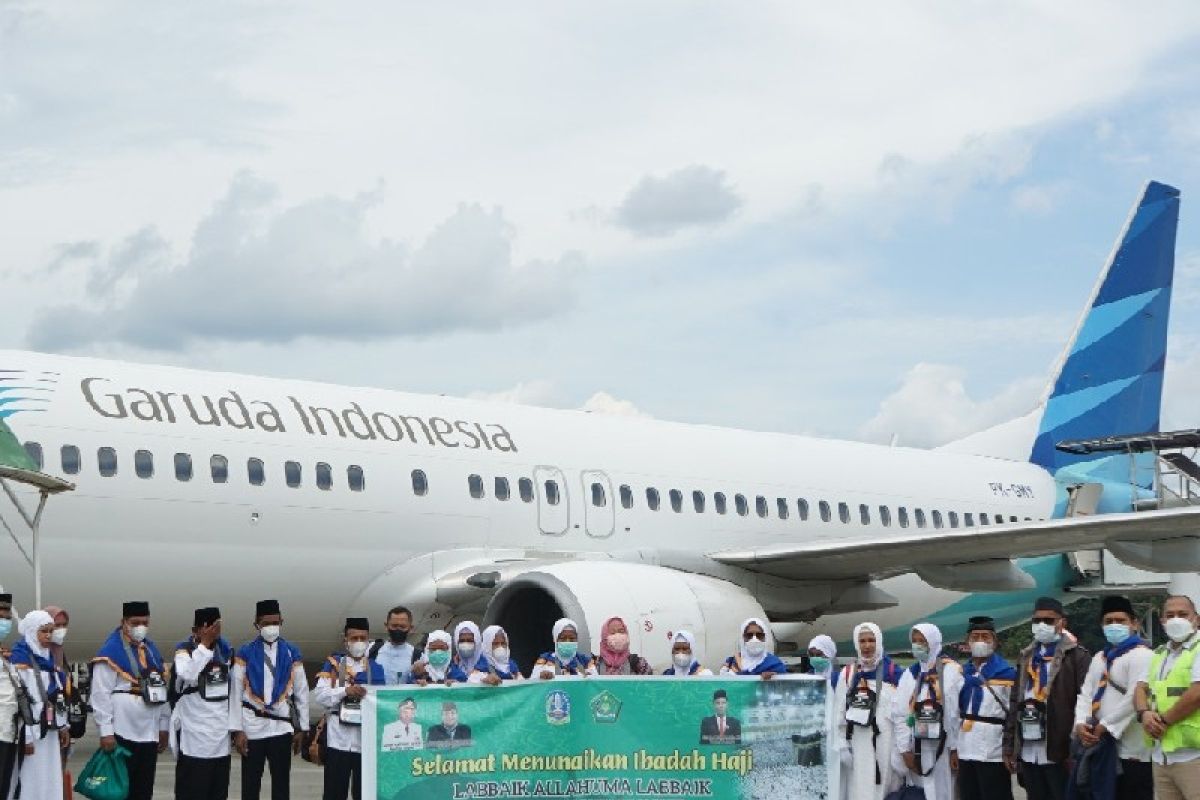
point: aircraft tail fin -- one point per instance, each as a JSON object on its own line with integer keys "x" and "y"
{"x": 1109, "y": 379}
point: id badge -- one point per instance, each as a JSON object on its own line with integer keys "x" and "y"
{"x": 154, "y": 689}
{"x": 214, "y": 685}
{"x": 928, "y": 722}
{"x": 350, "y": 712}
{"x": 860, "y": 708}
{"x": 1033, "y": 723}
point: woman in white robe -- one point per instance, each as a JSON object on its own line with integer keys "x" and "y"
{"x": 864, "y": 741}
{"x": 41, "y": 774}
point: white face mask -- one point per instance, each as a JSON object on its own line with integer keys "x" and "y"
{"x": 1179, "y": 628}
{"x": 982, "y": 649}
{"x": 59, "y": 636}
{"x": 356, "y": 649}
{"x": 466, "y": 650}
{"x": 756, "y": 647}
{"x": 501, "y": 655}
{"x": 269, "y": 633}
{"x": 619, "y": 642}
{"x": 139, "y": 632}
{"x": 682, "y": 660}
{"x": 1043, "y": 633}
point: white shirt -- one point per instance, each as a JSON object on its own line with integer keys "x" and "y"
{"x": 396, "y": 660}
{"x": 347, "y": 738}
{"x": 399, "y": 736}
{"x": 8, "y": 701}
{"x": 255, "y": 727}
{"x": 1173, "y": 653}
{"x": 203, "y": 726}
{"x": 119, "y": 713}
{"x": 29, "y": 677}
{"x": 984, "y": 741}
{"x": 1116, "y": 708}
{"x": 903, "y": 701}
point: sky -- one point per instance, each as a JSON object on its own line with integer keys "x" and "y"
{"x": 871, "y": 222}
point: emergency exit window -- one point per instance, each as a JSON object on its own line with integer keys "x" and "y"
{"x": 552, "y": 493}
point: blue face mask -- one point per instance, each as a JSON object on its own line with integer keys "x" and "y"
{"x": 1116, "y": 632}
{"x": 819, "y": 663}
{"x": 438, "y": 658}
{"x": 920, "y": 652}
{"x": 5, "y": 628}
{"x": 566, "y": 650}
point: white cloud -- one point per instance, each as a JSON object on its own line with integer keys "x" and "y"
{"x": 932, "y": 407}
{"x": 1038, "y": 199}
{"x": 691, "y": 197}
{"x": 605, "y": 403}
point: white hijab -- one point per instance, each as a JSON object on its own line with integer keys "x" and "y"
{"x": 933, "y": 635}
{"x": 466, "y": 625}
{"x": 562, "y": 625}
{"x": 750, "y": 662}
{"x": 489, "y": 644}
{"x": 827, "y": 647}
{"x": 438, "y": 674}
{"x": 683, "y": 636}
{"x": 30, "y": 624}
{"x": 863, "y": 664}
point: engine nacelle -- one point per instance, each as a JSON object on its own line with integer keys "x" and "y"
{"x": 654, "y": 602}
{"x": 1161, "y": 555}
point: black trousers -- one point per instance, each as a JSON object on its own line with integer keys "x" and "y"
{"x": 1136, "y": 780}
{"x": 201, "y": 778}
{"x": 984, "y": 780}
{"x": 1044, "y": 781}
{"x": 142, "y": 763}
{"x": 8, "y": 766}
{"x": 275, "y": 751}
{"x": 343, "y": 773}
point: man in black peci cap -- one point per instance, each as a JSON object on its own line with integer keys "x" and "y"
{"x": 201, "y": 684}
{"x": 1041, "y": 711}
{"x": 268, "y": 706}
{"x": 983, "y": 704}
{"x": 129, "y": 697}
{"x": 341, "y": 686}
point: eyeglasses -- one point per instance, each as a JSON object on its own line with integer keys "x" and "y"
{"x": 1045, "y": 620}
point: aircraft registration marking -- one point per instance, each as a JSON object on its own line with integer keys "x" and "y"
{"x": 1019, "y": 490}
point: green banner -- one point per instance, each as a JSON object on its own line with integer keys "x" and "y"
{"x": 599, "y": 737}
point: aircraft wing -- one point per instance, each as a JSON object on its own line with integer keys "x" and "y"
{"x": 923, "y": 550}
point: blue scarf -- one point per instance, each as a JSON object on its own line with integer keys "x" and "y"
{"x": 23, "y": 655}
{"x": 576, "y": 666}
{"x": 458, "y": 672}
{"x": 1040, "y": 663}
{"x": 891, "y": 673}
{"x": 1111, "y": 654}
{"x": 113, "y": 652}
{"x": 995, "y": 668}
{"x": 253, "y": 656}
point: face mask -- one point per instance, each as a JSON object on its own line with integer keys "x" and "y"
{"x": 58, "y": 637}
{"x": 466, "y": 650}
{"x": 356, "y": 649}
{"x": 1116, "y": 633}
{"x": 501, "y": 655}
{"x": 619, "y": 642}
{"x": 920, "y": 652}
{"x": 439, "y": 658}
{"x": 682, "y": 660}
{"x": 139, "y": 632}
{"x": 5, "y": 628}
{"x": 756, "y": 647}
{"x": 566, "y": 650}
{"x": 1178, "y": 628}
{"x": 398, "y": 637}
{"x": 982, "y": 649}
{"x": 269, "y": 633}
{"x": 1043, "y": 633}
{"x": 819, "y": 663}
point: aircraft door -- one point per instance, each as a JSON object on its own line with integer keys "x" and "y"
{"x": 599, "y": 503}
{"x": 554, "y": 507}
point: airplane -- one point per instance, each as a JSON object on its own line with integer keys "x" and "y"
{"x": 198, "y": 488}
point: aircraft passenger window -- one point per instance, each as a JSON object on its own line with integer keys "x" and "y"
{"x": 952, "y": 516}
{"x": 676, "y": 500}
{"x": 983, "y": 519}
{"x": 652, "y": 498}
{"x": 920, "y": 516}
{"x": 291, "y": 473}
{"x": 781, "y": 506}
{"x": 420, "y": 483}
{"x": 844, "y": 513}
{"x": 824, "y": 508}
{"x": 256, "y": 471}
{"x": 143, "y": 463}
{"x": 864, "y": 514}
{"x": 70, "y": 459}
{"x": 802, "y": 509}
{"x": 219, "y": 466}
{"x": 739, "y": 503}
{"x": 885, "y": 516}
{"x": 902, "y": 516}
{"x": 475, "y": 485}
{"x": 106, "y": 457}
{"x": 35, "y": 452}
{"x": 552, "y": 493}
{"x": 626, "y": 497}
{"x": 968, "y": 520}
{"x": 698, "y": 501}
{"x": 183, "y": 467}
{"x": 760, "y": 506}
{"x": 999, "y": 519}
{"x": 937, "y": 519}
{"x": 719, "y": 502}
{"x": 525, "y": 487}
{"x": 324, "y": 476}
{"x": 501, "y": 489}
{"x": 1012, "y": 519}
{"x": 356, "y": 478}
{"x": 599, "y": 496}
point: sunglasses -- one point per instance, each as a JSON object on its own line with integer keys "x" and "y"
{"x": 1046, "y": 620}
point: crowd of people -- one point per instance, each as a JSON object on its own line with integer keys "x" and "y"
{"x": 1124, "y": 723}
